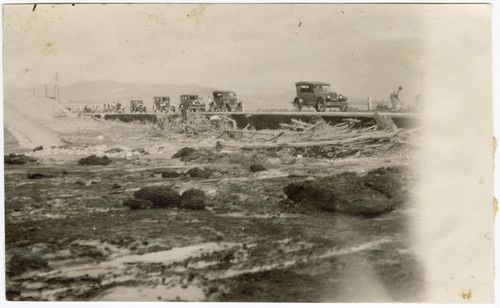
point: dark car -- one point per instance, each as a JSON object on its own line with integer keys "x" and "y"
{"x": 162, "y": 104}
{"x": 225, "y": 101}
{"x": 192, "y": 103}
{"x": 137, "y": 106}
{"x": 318, "y": 95}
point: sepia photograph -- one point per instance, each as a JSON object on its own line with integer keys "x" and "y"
{"x": 248, "y": 153}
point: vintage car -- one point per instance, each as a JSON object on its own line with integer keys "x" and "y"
{"x": 137, "y": 106}
{"x": 318, "y": 95}
{"x": 162, "y": 104}
{"x": 192, "y": 103}
{"x": 225, "y": 101}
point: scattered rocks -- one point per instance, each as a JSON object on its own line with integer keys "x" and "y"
{"x": 376, "y": 193}
{"x": 94, "y": 160}
{"x": 138, "y": 204}
{"x": 33, "y": 176}
{"x": 38, "y": 148}
{"x": 257, "y": 167}
{"x": 18, "y": 159}
{"x": 199, "y": 173}
{"x": 160, "y": 196}
{"x": 193, "y": 199}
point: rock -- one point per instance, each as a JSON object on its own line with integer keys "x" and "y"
{"x": 185, "y": 177}
{"x": 193, "y": 199}
{"x": 376, "y": 193}
{"x": 138, "y": 204}
{"x": 170, "y": 174}
{"x": 94, "y": 160}
{"x": 257, "y": 167}
{"x": 38, "y": 148}
{"x": 88, "y": 251}
{"x": 115, "y": 186}
{"x": 199, "y": 173}
{"x": 23, "y": 260}
{"x": 184, "y": 153}
{"x": 18, "y": 159}
{"x": 140, "y": 150}
{"x": 33, "y": 176}
{"x": 288, "y": 159}
{"x": 80, "y": 182}
{"x": 386, "y": 181}
{"x": 114, "y": 150}
{"x": 160, "y": 196}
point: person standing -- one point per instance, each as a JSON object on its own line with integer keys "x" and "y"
{"x": 395, "y": 98}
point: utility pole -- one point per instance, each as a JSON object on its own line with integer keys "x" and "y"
{"x": 56, "y": 89}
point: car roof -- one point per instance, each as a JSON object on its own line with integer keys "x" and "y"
{"x": 189, "y": 95}
{"x": 312, "y": 82}
{"x": 223, "y": 92}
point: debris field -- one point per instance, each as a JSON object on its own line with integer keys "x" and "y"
{"x": 199, "y": 210}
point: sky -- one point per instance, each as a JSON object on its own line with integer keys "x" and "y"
{"x": 363, "y": 50}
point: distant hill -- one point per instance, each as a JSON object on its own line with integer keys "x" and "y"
{"x": 105, "y": 91}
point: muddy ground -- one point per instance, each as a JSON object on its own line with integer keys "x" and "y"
{"x": 69, "y": 236}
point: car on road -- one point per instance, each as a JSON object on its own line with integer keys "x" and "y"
{"x": 225, "y": 101}
{"x": 318, "y": 95}
{"x": 162, "y": 104}
{"x": 137, "y": 106}
{"x": 192, "y": 103}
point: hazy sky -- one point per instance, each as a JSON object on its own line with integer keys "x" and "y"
{"x": 361, "y": 49}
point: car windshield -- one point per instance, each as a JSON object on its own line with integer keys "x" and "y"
{"x": 230, "y": 95}
{"x": 323, "y": 87}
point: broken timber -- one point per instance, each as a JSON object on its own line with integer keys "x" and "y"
{"x": 337, "y": 142}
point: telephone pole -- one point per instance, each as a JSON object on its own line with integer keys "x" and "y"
{"x": 56, "y": 89}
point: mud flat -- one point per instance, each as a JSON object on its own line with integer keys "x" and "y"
{"x": 70, "y": 235}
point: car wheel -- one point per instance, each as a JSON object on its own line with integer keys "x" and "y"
{"x": 297, "y": 105}
{"x": 320, "y": 105}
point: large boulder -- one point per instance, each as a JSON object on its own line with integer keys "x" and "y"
{"x": 193, "y": 199}
{"x": 199, "y": 173}
{"x": 94, "y": 160}
{"x": 376, "y": 193}
{"x": 185, "y": 154}
{"x": 18, "y": 159}
{"x": 160, "y": 196}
